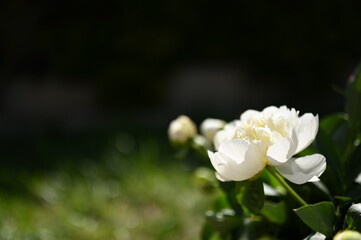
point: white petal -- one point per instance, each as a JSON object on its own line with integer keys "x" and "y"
{"x": 282, "y": 150}
{"x": 271, "y": 109}
{"x": 226, "y": 134}
{"x": 210, "y": 126}
{"x": 314, "y": 179}
{"x": 220, "y": 137}
{"x": 269, "y": 191}
{"x": 358, "y": 178}
{"x": 303, "y": 169}
{"x": 234, "y": 149}
{"x": 221, "y": 166}
{"x": 307, "y": 131}
{"x": 237, "y": 160}
{"x": 221, "y": 178}
{"x": 249, "y": 114}
{"x": 215, "y": 161}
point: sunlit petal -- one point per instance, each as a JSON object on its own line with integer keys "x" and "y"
{"x": 307, "y": 131}
{"x": 282, "y": 150}
{"x": 226, "y": 134}
{"x": 237, "y": 160}
{"x": 210, "y": 126}
{"x": 303, "y": 169}
{"x": 249, "y": 114}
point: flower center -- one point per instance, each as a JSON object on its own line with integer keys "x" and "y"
{"x": 263, "y": 128}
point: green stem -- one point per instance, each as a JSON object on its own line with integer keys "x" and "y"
{"x": 285, "y": 184}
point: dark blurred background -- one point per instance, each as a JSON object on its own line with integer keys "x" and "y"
{"x": 74, "y": 70}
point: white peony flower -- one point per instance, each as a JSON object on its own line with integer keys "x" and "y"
{"x": 210, "y": 126}
{"x": 181, "y": 129}
{"x": 270, "y": 137}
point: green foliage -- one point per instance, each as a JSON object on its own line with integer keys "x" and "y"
{"x": 353, "y": 100}
{"x": 209, "y": 233}
{"x": 118, "y": 196}
{"x": 223, "y": 221}
{"x": 332, "y": 175}
{"x": 331, "y": 122}
{"x": 275, "y": 212}
{"x": 320, "y": 217}
{"x": 337, "y": 140}
{"x": 251, "y": 196}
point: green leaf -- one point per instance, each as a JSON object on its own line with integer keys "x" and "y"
{"x": 343, "y": 198}
{"x": 221, "y": 202}
{"x": 231, "y": 190}
{"x": 323, "y": 189}
{"x": 353, "y": 217}
{"x": 251, "y": 196}
{"x": 342, "y": 136}
{"x": 208, "y": 233}
{"x": 320, "y": 217}
{"x": 275, "y": 212}
{"x": 337, "y": 127}
{"x": 353, "y": 100}
{"x": 328, "y": 148}
{"x": 353, "y": 167}
{"x": 331, "y": 122}
{"x": 273, "y": 182}
{"x": 332, "y": 176}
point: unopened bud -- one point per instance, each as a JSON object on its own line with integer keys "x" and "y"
{"x": 211, "y": 126}
{"x": 181, "y": 129}
{"x": 347, "y": 235}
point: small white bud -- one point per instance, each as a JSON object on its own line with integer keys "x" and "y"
{"x": 210, "y": 127}
{"x": 347, "y": 235}
{"x": 181, "y": 129}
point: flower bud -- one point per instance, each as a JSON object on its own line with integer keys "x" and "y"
{"x": 347, "y": 235}
{"x": 353, "y": 217}
{"x": 181, "y": 129}
{"x": 211, "y": 126}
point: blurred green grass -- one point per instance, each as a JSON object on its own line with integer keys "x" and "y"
{"x": 133, "y": 190}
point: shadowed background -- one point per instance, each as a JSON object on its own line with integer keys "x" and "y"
{"x": 77, "y": 76}
{"x": 73, "y": 64}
